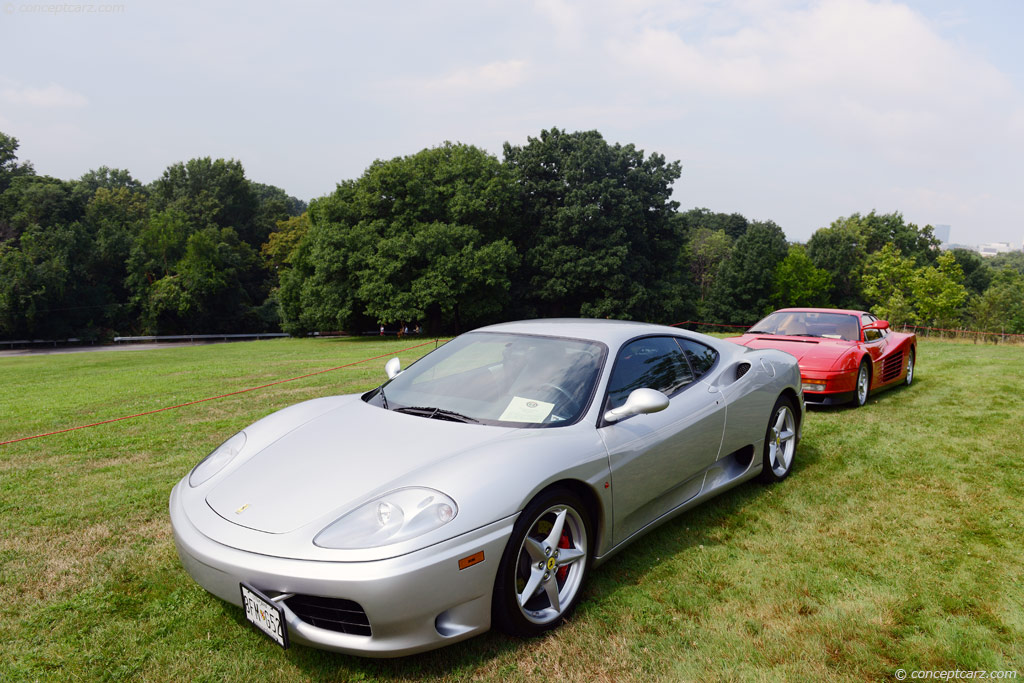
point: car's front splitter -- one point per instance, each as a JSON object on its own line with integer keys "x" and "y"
{"x": 415, "y": 602}
{"x": 834, "y": 399}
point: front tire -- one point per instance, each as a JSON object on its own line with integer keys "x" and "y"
{"x": 543, "y": 566}
{"x": 779, "y": 442}
{"x": 863, "y": 384}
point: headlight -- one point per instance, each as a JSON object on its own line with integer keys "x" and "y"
{"x": 215, "y": 461}
{"x": 813, "y": 386}
{"x": 391, "y": 518}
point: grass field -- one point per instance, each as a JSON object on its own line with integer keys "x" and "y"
{"x": 896, "y": 543}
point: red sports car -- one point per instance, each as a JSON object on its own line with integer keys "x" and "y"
{"x": 844, "y": 355}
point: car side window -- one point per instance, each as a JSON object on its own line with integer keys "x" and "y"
{"x": 701, "y": 357}
{"x": 870, "y": 335}
{"x": 651, "y": 362}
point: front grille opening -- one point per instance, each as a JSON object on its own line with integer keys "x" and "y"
{"x": 332, "y": 614}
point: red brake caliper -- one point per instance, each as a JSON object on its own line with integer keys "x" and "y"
{"x": 563, "y": 571}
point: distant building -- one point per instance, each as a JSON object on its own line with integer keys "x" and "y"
{"x": 993, "y": 248}
{"x": 942, "y": 232}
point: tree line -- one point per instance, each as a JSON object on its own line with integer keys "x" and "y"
{"x": 450, "y": 238}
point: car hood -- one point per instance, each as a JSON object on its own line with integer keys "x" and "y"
{"x": 812, "y": 353}
{"x": 336, "y": 461}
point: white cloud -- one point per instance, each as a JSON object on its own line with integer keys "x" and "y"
{"x": 491, "y": 77}
{"x": 840, "y": 45}
{"x": 856, "y": 70}
{"x": 48, "y": 97}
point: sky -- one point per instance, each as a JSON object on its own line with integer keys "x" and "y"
{"x": 793, "y": 111}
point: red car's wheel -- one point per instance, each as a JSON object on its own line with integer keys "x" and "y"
{"x": 910, "y": 367}
{"x": 863, "y": 383}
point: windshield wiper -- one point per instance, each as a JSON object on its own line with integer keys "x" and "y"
{"x": 759, "y": 332}
{"x": 436, "y": 414}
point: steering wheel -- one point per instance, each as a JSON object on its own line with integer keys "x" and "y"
{"x": 570, "y": 399}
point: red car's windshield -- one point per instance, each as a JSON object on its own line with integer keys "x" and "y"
{"x": 809, "y": 324}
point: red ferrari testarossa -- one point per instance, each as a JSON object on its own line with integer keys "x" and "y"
{"x": 843, "y": 355}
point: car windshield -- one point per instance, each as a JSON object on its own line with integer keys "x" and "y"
{"x": 497, "y": 378}
{"x": 809, "y": 324}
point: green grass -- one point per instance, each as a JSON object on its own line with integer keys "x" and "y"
{"x": 896, "y": 543}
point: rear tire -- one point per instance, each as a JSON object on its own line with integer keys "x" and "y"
{"x": 910, "y": 367}
{"x": 863, "y": 384}
{"x": 779, "y": 442}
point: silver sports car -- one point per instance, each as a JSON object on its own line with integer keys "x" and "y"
{"x": 480, "y": 485}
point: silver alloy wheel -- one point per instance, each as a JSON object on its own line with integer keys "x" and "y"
{"x": 550, "y": 565}
{"x": 910, "y": 367}
{"x": 863, "y": 382}
{"x": 782, "y": 440}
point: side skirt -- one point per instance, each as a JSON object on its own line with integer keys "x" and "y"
{"x": 725, "y": 473}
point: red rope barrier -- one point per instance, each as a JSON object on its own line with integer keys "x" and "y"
{"x": 213, "y": 398}
{"x": 913, "y": 327}
{"x": 965, "y": 331}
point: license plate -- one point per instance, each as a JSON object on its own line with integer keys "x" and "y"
{"x": 265, "y": 614}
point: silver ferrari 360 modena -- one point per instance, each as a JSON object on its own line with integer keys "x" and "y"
{"x": 481, "y": 484}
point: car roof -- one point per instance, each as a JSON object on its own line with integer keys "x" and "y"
{"x": 611, "y": 332}
{"x": 847, "y": 311}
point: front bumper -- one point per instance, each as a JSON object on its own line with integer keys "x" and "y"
{"x": 415, "y": 602}
{"x": 835, "y": 387}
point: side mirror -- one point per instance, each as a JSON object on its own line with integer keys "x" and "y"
{"x": 878, "y": 325}
{"x": 640, "y": 402}
{"x": 393, "y": 368}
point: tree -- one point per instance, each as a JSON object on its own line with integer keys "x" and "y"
{"x": 598, "y": 236}
{"x": 939, "y": 294}
{"x": 45, "y": 289}
{"x": 742, "y": 292}
{"x": 278, "y": 249}
{"x": 1010, "y": 259}
{"x": 40, "y": 201}
{"x": 918, "y": 244}
{"x": 902, "y": 293}
{"x": 732, "y": 224}
{"x": 839, "y": 251}
{"x": 318, "y": 289}
{"x": 113, "y": 220}
{"x": 1001, "y": 306}
{"x": 977, "y": 273}
{"x": 888, "y": 285}
{"x": 204, "y": 289}
{"x": 798, "y": 283}
{"x": 843, "y": 248}
{"x": 415, "y": 238}
{"x": 436, "y": 268}
{"x": 210, "y": 193}
{"x": 9, "y": 166}
{"x": 707, "y": 250}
